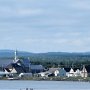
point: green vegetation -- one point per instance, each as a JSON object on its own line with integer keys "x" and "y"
{"x": 61, "y": 60}
{"x": 55, "y": 59}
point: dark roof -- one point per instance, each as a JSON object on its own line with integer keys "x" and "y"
{"x": 7, "y": 69}
{"x": 88, "y": 68}
{"x": 67, "y": 69}
{"x": 18, "y": 68}
{"x": 9, "y": 66}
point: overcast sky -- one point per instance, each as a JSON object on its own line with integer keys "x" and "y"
{"x": 45, "y": 25}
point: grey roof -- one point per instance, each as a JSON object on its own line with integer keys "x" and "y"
{"x": 52, "y": 70}
{"x": 9, "y": 66}
{"x": 37, "y": 67}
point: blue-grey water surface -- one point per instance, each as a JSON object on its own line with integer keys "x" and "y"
{"x": 43, "y": 85}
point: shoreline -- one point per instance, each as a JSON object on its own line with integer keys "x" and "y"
{"x": 78, "y": 79}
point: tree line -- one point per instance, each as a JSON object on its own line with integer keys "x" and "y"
{"x": 61, "y": 60}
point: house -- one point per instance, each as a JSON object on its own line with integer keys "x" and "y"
{"x": 71, "y": 73}
{"x": 14, "y": 68}
{"x": 62, "y": 72}
{"x": 67, "y": 71}
{"x": 54, "y": 71}
{"x": 77, "y": 73}
{"x": 84, "y": 72}
{"x": 50, "y": 72}
{"x": 57, "y": 72}
{"x": 88, "y": 70}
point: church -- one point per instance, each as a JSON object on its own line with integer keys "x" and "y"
{"x": 22, "y": 66}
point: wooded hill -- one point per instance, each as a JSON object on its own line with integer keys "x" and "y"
{"x": 50, "y": 59}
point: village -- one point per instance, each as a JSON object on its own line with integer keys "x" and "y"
{"x": 24, "y": 69}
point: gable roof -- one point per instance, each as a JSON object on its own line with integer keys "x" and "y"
{"x": 9, "y": 66}
{"x": 18, "y": 68}
{"x": 62, "y": 69}
{"x": 71, "y": 71}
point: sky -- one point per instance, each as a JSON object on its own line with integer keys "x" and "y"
{"x": 45, "y": 25}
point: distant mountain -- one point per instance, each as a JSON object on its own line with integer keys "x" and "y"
{"x": 10, "y": 54}
{"x": 64, "y": 53}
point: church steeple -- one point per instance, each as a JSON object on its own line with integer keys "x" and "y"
{"x": 15, "y": 56}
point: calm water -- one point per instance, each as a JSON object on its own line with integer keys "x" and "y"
{"x": 44, "y": 85}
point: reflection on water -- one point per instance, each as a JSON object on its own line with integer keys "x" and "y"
{"x": 43, "y": 85}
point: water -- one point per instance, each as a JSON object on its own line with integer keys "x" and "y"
{"x": 43, "y": 85}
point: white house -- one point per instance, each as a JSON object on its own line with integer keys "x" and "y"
{"x": 57, "y": 72}
{"x": 77, "y": 73}
{"x": 84, "y": 72}
{"x": 54, "y": 71}
{"x": 71, "y": 73}
{"x": 50, "y": 72}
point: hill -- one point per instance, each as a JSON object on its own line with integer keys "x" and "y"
{"x": 47, "y": 59}
{"x": 10, "y": 54}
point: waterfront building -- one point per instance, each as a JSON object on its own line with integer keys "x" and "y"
{"x": 77, "y": 73}
{"x": 71, "y": 73}
{"x": 22, "y": 66}
{"x": 61, "y": 72}
{"x": 84, "y": 72}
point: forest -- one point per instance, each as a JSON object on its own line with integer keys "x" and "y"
{"x": 61, "y": 60}
{"x": 50, "y": 59}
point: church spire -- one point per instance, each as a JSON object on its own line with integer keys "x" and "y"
{"x": 15, "y": 56}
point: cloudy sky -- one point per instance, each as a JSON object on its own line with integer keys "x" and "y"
{"x": 45, "y": 25}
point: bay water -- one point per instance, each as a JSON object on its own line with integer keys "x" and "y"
{"x": 43, "y": 85}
